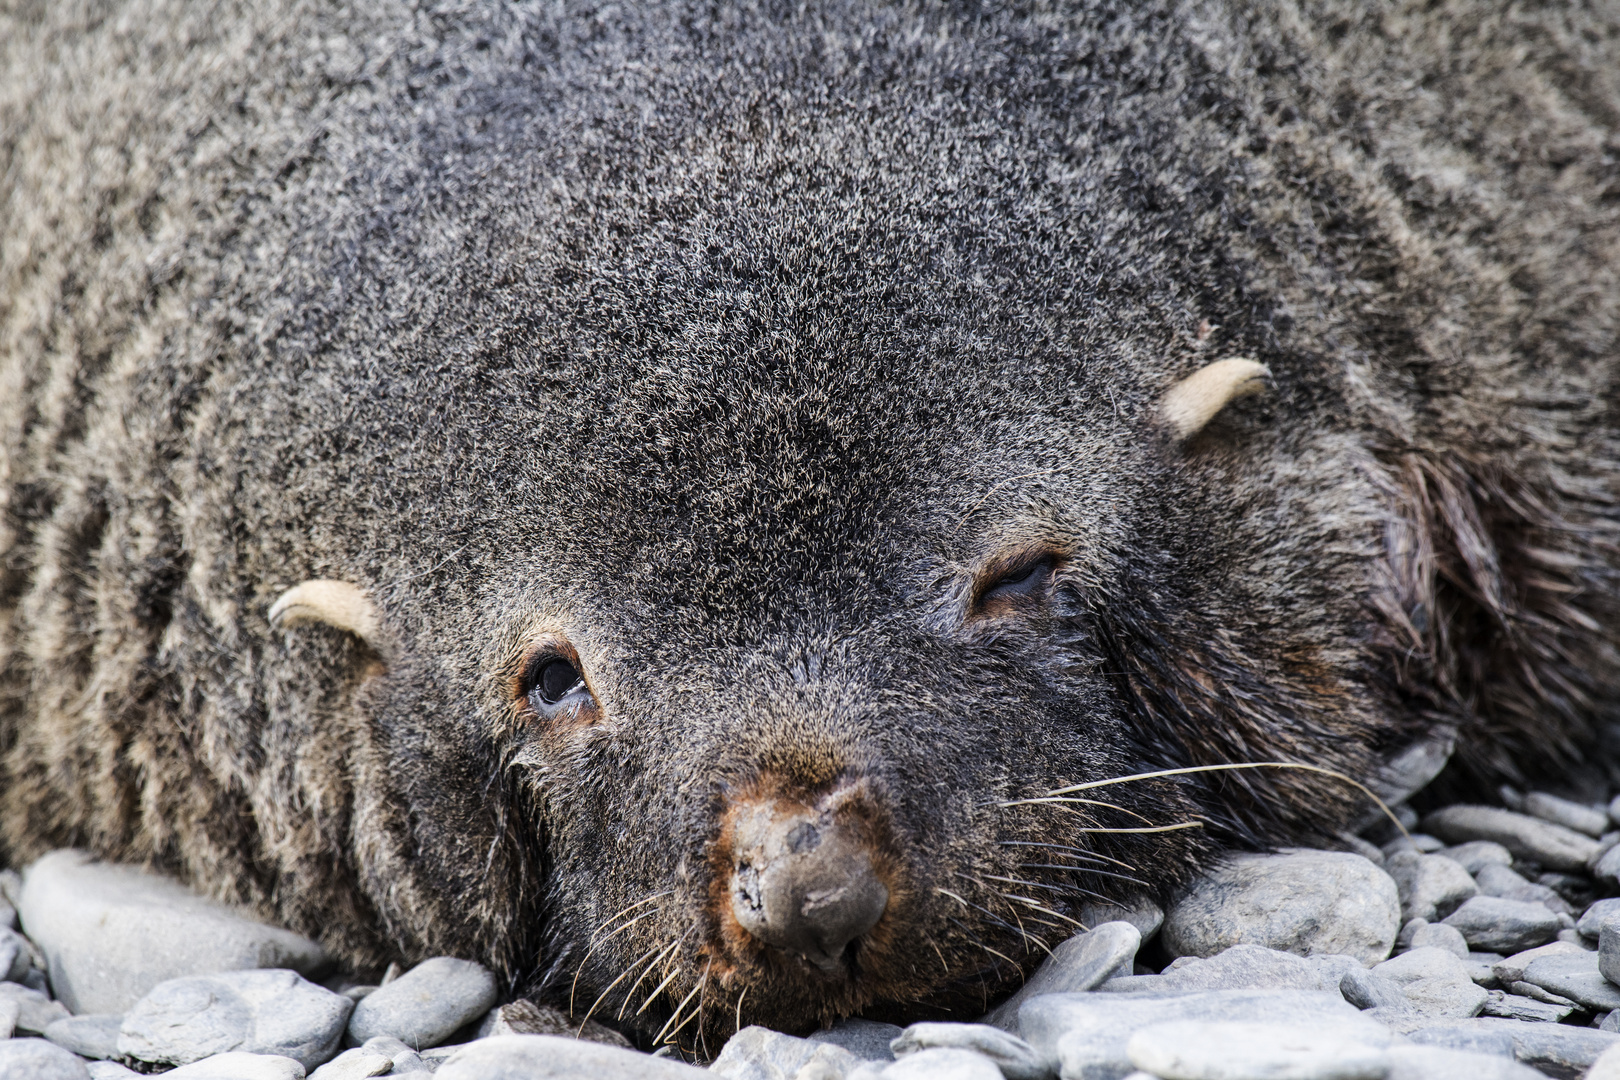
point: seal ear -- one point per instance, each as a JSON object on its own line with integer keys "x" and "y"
{"x": 335, "y": 603}
{"x": 1194, "y": 401}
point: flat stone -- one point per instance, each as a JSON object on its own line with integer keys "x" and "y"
{"x": 1366, "y": 990}
{"x": 943, "y": 1064}
{"x": 240, "y": 1065}
{"x": 1477, "y": 853}
{"x": 1506, "y": 926}
{"x": 1016, "y": 1059}
{"x": 1608, "y": 950}
{"x": 1435, "y": 983}
{"x": 1082, "y": 962}
{"x": 1606, "y": 1067}
{"x": 1576, "y": 977}
{"x": 1430, "y": 886}
{"x": 523, "y": 1017}
{"x": 1526, "y": 837}
{"x": 110, "y": 1070}
{"x": 1519, "y": 1007}
{"x": 8, "y": 1017}
{"x": 35, "y": 1011}
{"x": 14, "y": 955}
{"x": 1086, "y": 1034}
{"x": 255, "y": 1012}
{"x": 1511, "y": 969}
{"x": 1243, "y": 1050}
{"x": 1300, "y": 901}
{"x": 93, "y": 1036}
{"x": 111, "y": 933}
{"x": 1143, "y": 914}
{"x": 544, "y": 1057}
{"x": 36, "y": 1059}
{"x": 426, "y": 1004}
{"x": 1253, "y": 967}
{"x": 1591, "y": 920}
{"x": 1606, "y": 866}
{"x": 1561, "y": 1050}
{"x": 1438, "y": 1063}
{"x": 868, "y": 1040}
{"x": 1571, "y": 815}
{"x": 1509, "y": 884}
{"x": 356, "y": 1064}
{"x": 1440, "y": 936}
{"x": 758, "y": 1053}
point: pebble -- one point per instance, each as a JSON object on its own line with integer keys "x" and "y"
{"x": 530, "y": 1057}
{"x": 258, "y": 1012}
{"x": 1440, "y": 936}
{"x": 1248, "y": 967}
{"x": 1437, "y": 1063}
{"x": 240, "y": 1065}
{"x": 35, "y": 1011}
{"x": 14, "y": 956}
{"x": 522, "y": 1017}
{"x": 1511, "y": 969}
{"x": 426, "y": 1004}
{"x": 1430, "y": 886}
{"x": 1571, "y": 815}
{"x": 1608, "y": 950}
{"x": 1477, "y": 853}
{"x": 1591, "y": 920}
{"x": 111, "y": 933}
{"x": 1299, "y": 901}
{"x": 1575, "y": 977}
{"x": 868, "y": 1040}
{"x": 1606, "y": 866}
{"x": 1083, "y": 962}
{"x": 942, "y": 1064}
{"x": 110, "y": 1070}
{"x": 1606, "y": 1067}
{"x": 1509, "y": 884}
{"x": 1435, "y": 983}
{"x": 758, "y": 1053}
{"x": 1143, "y": 914}
{"x": 1561, "y": 1049}
{"x": 1244, "y": 1050}
{"x": 36, "y": 1059}
{"x": 93, "y": 1036}
{"x": 8, "y": 1017}
{"x": 1366, "y": 990}
{"x": 1506, "y": 926}
{"x": 1526, "y": 837}
{"x": 1519, "y": 1007}
{"x": 1015, "y": 1058}
{"x": 381, "y": 1056}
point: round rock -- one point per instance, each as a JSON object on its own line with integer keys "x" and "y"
{"x": 1550, "y": 845}
{"x": 36, "y": 1059}
{"x": 943, "y": 1064}
{"x": 257, "y": 1012}
{"x": 1431, "y": 886}
{"x": 552, "y": 1057}
{"x": 426, "y": 1004}
{"x": 1016, "y": 1059}
{"x": 1492, "y": 924}
{"x": 1203, "y": 1050}
{"x": 1302, "y": 902}
{"x": 1083, "y": 962}
{"x": 238, "y": 1065}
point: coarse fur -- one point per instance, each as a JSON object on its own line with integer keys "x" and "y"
{"x": 745, "y": 351}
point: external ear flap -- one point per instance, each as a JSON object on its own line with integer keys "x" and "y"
{"x": 335, "y": 603}
{"x": 1194, "y": 401}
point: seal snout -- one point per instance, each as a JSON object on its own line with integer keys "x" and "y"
{"x": 803, "y": 882}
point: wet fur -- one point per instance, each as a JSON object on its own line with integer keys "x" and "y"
{"x": 730, "y": 343}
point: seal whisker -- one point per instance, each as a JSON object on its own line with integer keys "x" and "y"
{"x": 595, "y": 944}
{"x": 1073, "y": 852}
{"x": 1085, "y": 870}
{"x": 622, "y": 976}
{"x": 648, "y": 970}
{"x": 701, "y": 983}
{"x": 673, "y": 971}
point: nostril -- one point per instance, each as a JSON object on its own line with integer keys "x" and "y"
{"x": 804, "y": 837}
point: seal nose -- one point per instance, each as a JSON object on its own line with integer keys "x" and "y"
{"x": 803, "y": 884}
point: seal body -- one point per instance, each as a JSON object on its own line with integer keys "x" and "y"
{"x": 731, "y": 475}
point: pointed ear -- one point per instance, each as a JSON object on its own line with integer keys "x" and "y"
{"x": 335, "y": 603}
{"x": 1194, "y": 401}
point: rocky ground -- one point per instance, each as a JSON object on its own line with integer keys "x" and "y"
{"x": 1481, "y": 944}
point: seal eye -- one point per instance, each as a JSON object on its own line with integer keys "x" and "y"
{"x": 1020, "y": 581}
{"x": 556, "y": 680}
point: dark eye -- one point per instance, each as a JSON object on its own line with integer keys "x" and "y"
{"x": 553, "y": 681}
{"x": 1020, "y": 581}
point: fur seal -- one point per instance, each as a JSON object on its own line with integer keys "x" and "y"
{"x": 694, "y": 506}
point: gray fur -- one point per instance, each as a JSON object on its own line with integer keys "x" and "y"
{"x": 731, "y": 343}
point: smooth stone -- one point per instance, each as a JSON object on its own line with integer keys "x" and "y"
{"x": 1438, "y": 1063}
{"x": 426, "y": 1004}
{"x": 1509, "y": 884}
{"x": 1366, "y": 990}
{"x": 1246, "y": 1050}
{"x": 1576, "y": 977}
{"x": 1299, "y": 901}
{"x": 1607, "y": 1066}
{"x": 1477, "y": 853}
{"x": 1016, "y": 1059}
{"x": 1082, "y": 962}
{"x": 552, "y": 1057}
{"x": 240, "y": 1065}
{"x": 1571, "y": 815}
{"x": 1606, "y": 866}
{"x": 943, "y": 1064}
{"x": 1531, "y": 990}
{"x": 1506, "y": 926}
{"x": 1086, "y": 1034}
{"x": 1435, "y": 983}
{"x": 356, "y": 1064}
{"x": 110, "y": 1070}
{"x": 35, "y": 1011}
{"x": 256, "y": 1012}
{"x": 758, "y": 1053}
{"x": 1252, "y": 967}
{"x": 1430, "y": 886}
{"x": 1410, "y": 770}
{"x": 868, "y": 1040}
{"x": 1526, "y": 837}
{"x": 1143, "y": 914}
{"x": 110, "y": 933}
{"x": 1511, "y": 969}
{"x": 8, "y": 1017}
{"x": 14, "y": 955}
{"x": 1562, "y": 1050}
{"x": 523, "y": 1017}
{"x": 1520, "y": 1007}
{"x": 1440, "y": 936}
{"x": 1591, "y": 920}
{"x": 92, "y": 1036}
{"x": 8, "y": 914}
{"x": 1608, "y": 949}
{"x": 36, "y": 1059}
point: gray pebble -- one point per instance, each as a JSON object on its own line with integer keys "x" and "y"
{"x": 1520, "y": 1007}
{"x": 1082, "y": 962}
{"x": 426, "y": 1004}
{"x": 757, "y": 1053}
{"x": 523, "y": 1017}
{"x": 1526, "y": 837}
{"x": 1477, "y": 853}
{"x": 1440, "y": 936}
{"x": 1437, "y": 1063}
{"x": 525, "y": 1057}
{"x": 360, "y": 1063}
{"x": 240, "y": 1065}
{"x": 1366, "y": 990}
{"x": 1571, "y": 815}
{"x": 14, "y": 956}
{"x": 1606, "y": 1067}
{"x": 1576, "y": 977}
{"x": 259, "y": 1012}
{"x": 868, "y": 1040}
{"x": 1430, "y": 886}
{"x": 110, "y": 933}
{"x": 8, "y": 914}
{"x": 1511, "y": 969}
{"x": 1239, "y": 1050}
{"x": 1435, "y": 982}
{"x": 1606, "y": 866}
{"x": 1591, "y": 920}
{"x": 1507, "y": 926}
{"x": 94, "y": 1035}
{"x": 110, "y": 1070}
{"x": 8, "y": 1017}
{"x": 1531, "y": 990}
{"x": 35, "y": 1011}
{"x": 1015, "y": 1058}
{"x": 1299, "y": 901}
{"x": 1509, "y": 884}
{"x": 1560, "y": 1049}
{"x": 942, "y": 1064}
{"x": 36, "y": 1059}
{"x": 1254, "y": 967}
{"x": 1608, "y": 949}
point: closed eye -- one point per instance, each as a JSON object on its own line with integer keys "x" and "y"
{"x": 1015, "y": 584}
